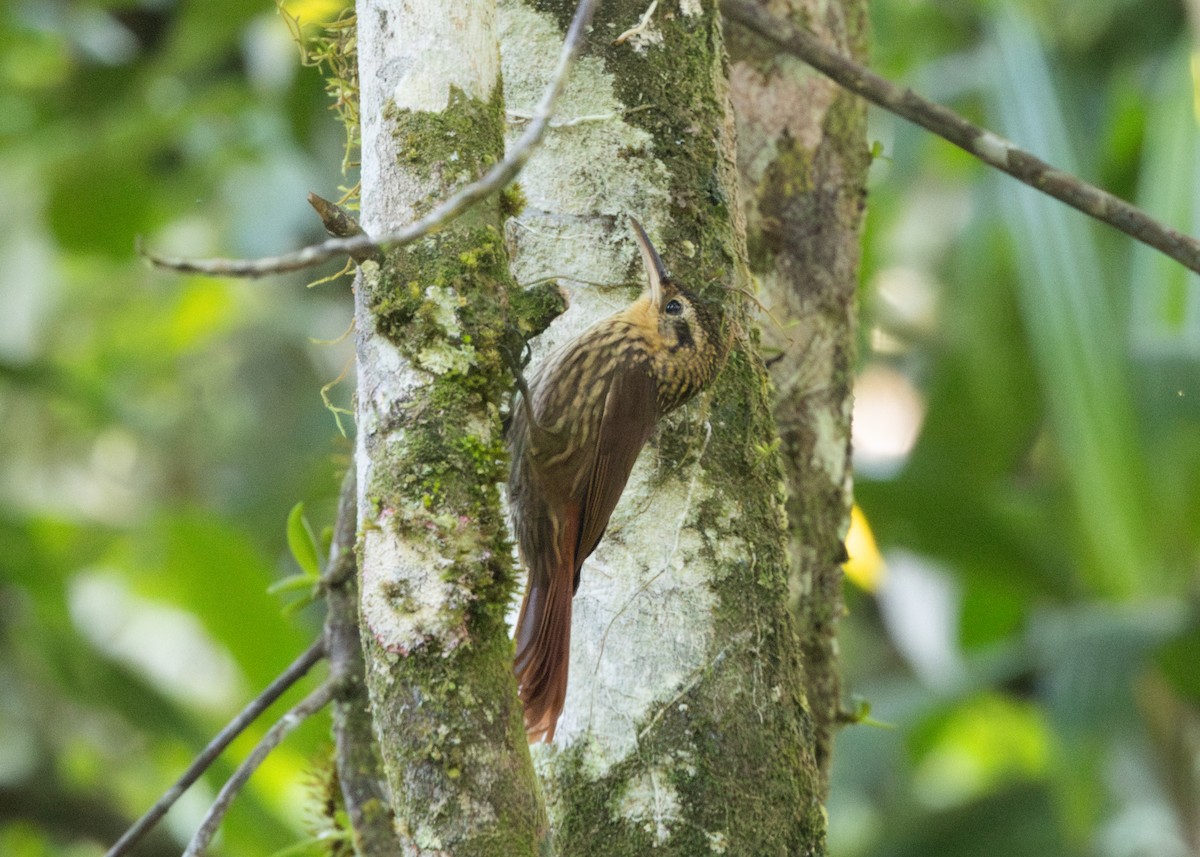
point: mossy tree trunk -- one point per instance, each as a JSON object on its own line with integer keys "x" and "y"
{"x": 436, "y": 571}
{"x": 802, "y": 159}
{"x": 688, "y": 727}
{"x": 699, "y": 711}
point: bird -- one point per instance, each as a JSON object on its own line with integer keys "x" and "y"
{"x": 576, "y": 429}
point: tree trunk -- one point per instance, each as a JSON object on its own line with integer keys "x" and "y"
{"x": 687, "y": 727}
{"x": 803, "y": 162}
{"x": 697, "y": 719}
{"x": 436, "y": 571}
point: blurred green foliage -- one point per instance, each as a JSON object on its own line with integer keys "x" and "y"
{"x": 156, "y": 429}
{"x": 1034, "y": 638}
{"x": 1033, "y": 642}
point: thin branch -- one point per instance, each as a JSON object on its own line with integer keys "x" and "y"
{"x": 209, "y": 754}
{"x": 306, "y": 708}
{"x": 339, "y": 223}
{"x": 989, "y": 147}
{"x": 495, "y": 179}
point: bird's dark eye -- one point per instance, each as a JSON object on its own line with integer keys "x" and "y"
{"x": 673, "y": 307}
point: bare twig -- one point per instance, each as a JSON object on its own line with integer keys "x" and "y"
{"x": 989, "y": 147}
{"x": 495, "y": 179}
{"x": 306, "y": 708}
{"x": 337, "y": 221}
{"x": 340, "y": 224}
{"x": 210, "y": 753}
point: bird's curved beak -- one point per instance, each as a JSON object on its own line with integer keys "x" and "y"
{"x": 656, "y": 271}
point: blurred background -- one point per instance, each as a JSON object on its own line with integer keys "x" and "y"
{"x": 1027, "y": 449}
{"x": 1022, "y": 594}
{"x": 156, "y": 429}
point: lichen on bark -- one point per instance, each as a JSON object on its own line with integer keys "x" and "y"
{"x": 437, "y": 324}
{"x": 687, "y": 729}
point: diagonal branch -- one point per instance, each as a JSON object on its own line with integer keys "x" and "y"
{"x": 360, "y": 245}
{"x": 989, "y": 147}
{"x": 306, "y": 708}
{"x": 245, "y": 717}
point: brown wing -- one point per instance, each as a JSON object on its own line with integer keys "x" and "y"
{"x": 630, "y": 414}
{"x": 561, "y": 525}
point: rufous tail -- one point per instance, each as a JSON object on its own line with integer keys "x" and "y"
{"x": 543, "y": 654}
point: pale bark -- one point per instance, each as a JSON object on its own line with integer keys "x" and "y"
{"x": 436, "y": 573}
{"x": 686, "y": 728}
{"x": 803, "y": 159}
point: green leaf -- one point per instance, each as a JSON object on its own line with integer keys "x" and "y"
{"x": 302, "y": 542}
{"x": 291, "y": 583}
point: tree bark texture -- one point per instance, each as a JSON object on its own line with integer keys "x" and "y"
{"x": 366, "y": 797}
{"x": 687, "y": 727}
{"x": 433, "y": 552}
{"x": 802, "y": 160}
